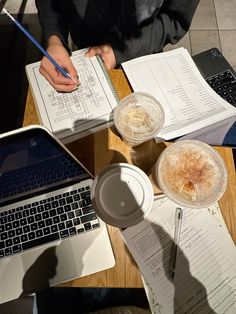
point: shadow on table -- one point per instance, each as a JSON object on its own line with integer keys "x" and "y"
{"x": 188, "y": 293}
{"x": 144, "y": 155}
{"x": 94, "y": 151}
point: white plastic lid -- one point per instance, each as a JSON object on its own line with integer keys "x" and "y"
{"x": 122, "y": 195}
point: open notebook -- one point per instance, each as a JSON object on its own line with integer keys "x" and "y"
{"x": 70, "y": 116}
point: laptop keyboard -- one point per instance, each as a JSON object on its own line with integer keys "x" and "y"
{"x": 54, "y": 218}
{"x": 224, "y": 84}
{"x": 39, "y": 174}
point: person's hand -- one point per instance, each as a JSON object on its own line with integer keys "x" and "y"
{"x": 57, "y": 51}
{"x": 105, "y": 52}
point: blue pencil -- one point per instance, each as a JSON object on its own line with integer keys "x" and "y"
{"x": 33, "y": 40}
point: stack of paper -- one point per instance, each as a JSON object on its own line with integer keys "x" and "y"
{"x": 205, "y": 279}
{"x": 189, "y": 103}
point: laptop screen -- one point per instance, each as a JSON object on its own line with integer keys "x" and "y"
{"x": 32, "y": 162}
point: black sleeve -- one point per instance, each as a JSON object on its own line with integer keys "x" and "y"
{"x": 51, "y": 20}
{"x": 168, "y": 26}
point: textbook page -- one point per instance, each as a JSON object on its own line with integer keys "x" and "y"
{"x": 205, "y": 278}
{"x": 188, "y": 101}
{"x": 76, "y": 114}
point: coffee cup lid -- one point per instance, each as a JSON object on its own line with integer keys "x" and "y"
{"x": 122, "y": 195}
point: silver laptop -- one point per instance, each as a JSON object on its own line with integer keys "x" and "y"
{"x": 49, "y": 232}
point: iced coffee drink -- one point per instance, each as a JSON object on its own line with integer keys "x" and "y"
{"x": 191, "y": 173}
{"x": 138, "y": 118}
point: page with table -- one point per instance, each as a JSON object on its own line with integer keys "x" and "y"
{"x": 189, "y": 103}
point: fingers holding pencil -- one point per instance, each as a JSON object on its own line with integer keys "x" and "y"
{"x": 54, "y": 77}
{"x": 56, "y": 65}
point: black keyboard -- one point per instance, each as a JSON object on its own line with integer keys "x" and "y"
{"x": 54, "y": 218}
{"x": 224, "y": 84}
{"x": 39, "y": 174}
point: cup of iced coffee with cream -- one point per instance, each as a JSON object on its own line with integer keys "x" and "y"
{"x": 191, "y": 173}
{"x": 138, "y": 118}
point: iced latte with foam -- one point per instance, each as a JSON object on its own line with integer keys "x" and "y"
{"x": 138, "y": 118}
{"x": 191, "y": 173}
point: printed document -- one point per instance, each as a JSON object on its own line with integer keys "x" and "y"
{"x": 75, "y": 114}
{"x": 188, "y": 101}
{"x": 205, "y": 277}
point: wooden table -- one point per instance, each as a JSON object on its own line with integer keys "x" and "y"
{"x": 105, "y": 147}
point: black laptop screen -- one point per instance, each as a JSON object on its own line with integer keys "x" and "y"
{"x": 32, "y": 161}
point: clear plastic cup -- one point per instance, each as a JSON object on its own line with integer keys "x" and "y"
{"x": 138, "y": 118}
{"x": 122, "y": 195}
{"x": 191, "y": 174}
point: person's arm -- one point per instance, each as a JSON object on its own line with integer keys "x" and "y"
{"x": 168, "y": 26}
{"x": 51, "y": 20}
{"x": 55, "y": 33}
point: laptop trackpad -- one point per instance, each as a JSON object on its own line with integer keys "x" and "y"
{"x": 48, "y": 265}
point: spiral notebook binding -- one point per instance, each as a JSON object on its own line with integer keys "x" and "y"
{"x": 108, "y": 78}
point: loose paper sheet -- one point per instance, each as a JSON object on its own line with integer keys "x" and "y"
{"x": 188, "y": 101}
{"x": 205, "y": 280}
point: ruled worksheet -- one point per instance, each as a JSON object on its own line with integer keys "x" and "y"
{"x": 205, "y": 277}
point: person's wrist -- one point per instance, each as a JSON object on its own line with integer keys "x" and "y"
{"x": 54, "y": 41}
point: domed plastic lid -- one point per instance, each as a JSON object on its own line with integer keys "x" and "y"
{"x": 122, "y": 195}
{"x": 192, "y": 174}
